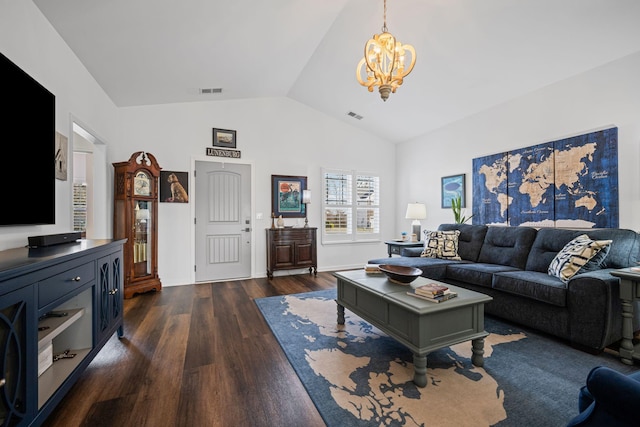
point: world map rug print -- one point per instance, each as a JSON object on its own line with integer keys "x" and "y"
{"x": 356, "y": 375}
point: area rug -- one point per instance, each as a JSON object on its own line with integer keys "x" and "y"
{"x": 358, "y": 376}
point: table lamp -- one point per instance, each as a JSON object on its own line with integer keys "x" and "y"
{"x": 416, "y": 212}
{"x": 306, "y": 199}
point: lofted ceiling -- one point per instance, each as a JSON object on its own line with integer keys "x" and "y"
{"x": 471, "y": 54}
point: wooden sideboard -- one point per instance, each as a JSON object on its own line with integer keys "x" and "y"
{"x": 54, "y": 300}
{"x": 291, "y": 248}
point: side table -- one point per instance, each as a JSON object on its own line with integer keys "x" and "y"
{"x": 395, "y": 246}
{"x": 629, "y": 292}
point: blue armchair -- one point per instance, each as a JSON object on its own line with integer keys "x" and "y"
{"x": 609, "y": 399}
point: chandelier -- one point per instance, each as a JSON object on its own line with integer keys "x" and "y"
{"x": 384, "y": 62}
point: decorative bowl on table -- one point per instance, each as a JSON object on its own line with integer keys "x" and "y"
{"x": 400, "y": 274}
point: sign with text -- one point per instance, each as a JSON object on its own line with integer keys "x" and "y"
{"x": 234, "y": 154}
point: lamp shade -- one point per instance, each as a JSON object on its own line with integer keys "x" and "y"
{"x": 306, "y": 196}
{"x": 416, "y": 211}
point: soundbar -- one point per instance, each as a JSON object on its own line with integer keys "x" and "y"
{"x": 53, "y": 239}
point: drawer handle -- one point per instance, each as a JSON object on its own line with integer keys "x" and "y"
{"x": 76, "y": 279}
{"x": 113, "y": 291}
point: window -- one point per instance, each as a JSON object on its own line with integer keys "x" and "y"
{"x": 351, "y": 207}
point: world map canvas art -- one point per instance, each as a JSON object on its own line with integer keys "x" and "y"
{"x": 571, "y": 182}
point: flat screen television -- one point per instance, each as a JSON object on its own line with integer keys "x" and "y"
{"x": 27, "y": 136}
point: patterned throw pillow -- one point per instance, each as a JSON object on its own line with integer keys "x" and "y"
{"x": 575, "y": 255}
{"x": 441, "y": 244}
{"x": 596, "y": 262}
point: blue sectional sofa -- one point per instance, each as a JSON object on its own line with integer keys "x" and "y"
{"x": 511, "y": 265}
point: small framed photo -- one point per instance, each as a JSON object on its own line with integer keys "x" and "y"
{"x": 224, "y": 138}
{"x": 453, "y": 187}
{"x": 286, "y": 196}
{"x": 62, "y": 144}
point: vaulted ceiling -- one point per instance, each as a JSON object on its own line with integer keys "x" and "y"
{"x": 471, "y": 54}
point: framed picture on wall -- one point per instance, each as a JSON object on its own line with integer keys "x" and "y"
{"x": 224, "y": 138}
{"x": 174, "y": 187}
{"x": 453, "y": 187}
{"x": 286, "y": 196}
{"x": 62, "y": 144}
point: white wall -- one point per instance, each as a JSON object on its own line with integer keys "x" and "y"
{"x": 28, "y": 40}
{"x": 604, "y": 97}
{"x": 278, "y": 136}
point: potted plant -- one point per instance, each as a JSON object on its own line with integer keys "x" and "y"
{"x": 458, "y": 213}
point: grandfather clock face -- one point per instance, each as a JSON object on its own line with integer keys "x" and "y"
{"x": 141, "y": 184}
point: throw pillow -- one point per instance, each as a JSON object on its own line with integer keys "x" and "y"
{"x": 575, "y": 255}
{"x": 441, "y": 244}
{"x": 596, "y": 262}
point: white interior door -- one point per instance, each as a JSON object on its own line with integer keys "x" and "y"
{"x": 223, "y": 221}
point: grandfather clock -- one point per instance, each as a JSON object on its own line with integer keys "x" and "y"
{"x": 135, "y": 217}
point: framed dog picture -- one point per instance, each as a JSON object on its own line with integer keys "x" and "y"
{"x": 224, "y": 138}
{"x": 174, "y": 187}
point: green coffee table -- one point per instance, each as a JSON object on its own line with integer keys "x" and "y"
{"x": 422, "y": 326}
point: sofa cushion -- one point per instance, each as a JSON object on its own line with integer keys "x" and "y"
{"x": 549, "y": 241}
{"x": 441, "y": 244}
{"x": 575, "y": 255}
{"x": 411, "y": 252}
{"x": 470, "y": 239}
{"x": 625, "y": 249}
{"x": 475, "y": 273}
{"x": 507, "y": 246}
{"x": 532, "y": 284}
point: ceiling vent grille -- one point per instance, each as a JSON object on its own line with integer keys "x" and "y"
{"x": 354, "y": 115}
{"x": 208, "y": 91}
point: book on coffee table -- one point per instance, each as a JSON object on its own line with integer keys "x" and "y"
{"x": 447, "y": 295}
{"x": 431, "y": 289}
{"x": 372, "y": 268}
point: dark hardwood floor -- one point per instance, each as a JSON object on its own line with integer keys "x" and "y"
{"x": 196, "y": 355}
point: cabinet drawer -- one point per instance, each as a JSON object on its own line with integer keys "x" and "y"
{"x": 292, "y": 233}
{"x": 394, "y": 250}
{"x": 61, "y": 284}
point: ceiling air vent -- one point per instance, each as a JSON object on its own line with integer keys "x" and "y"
{"x": 208, "y": 91}
{"x": 354, "y": 115}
